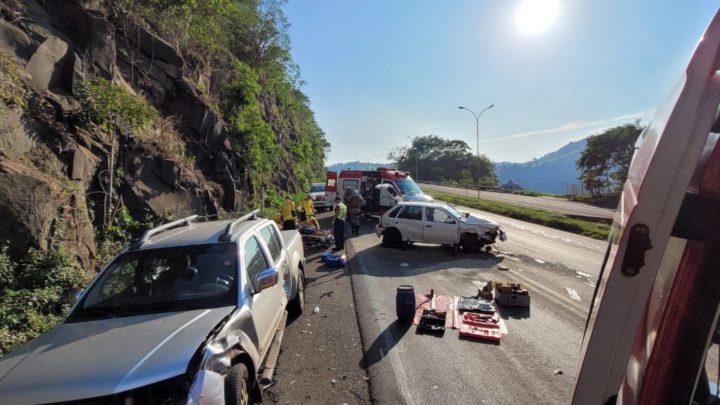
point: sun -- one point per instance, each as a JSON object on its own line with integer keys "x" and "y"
{"x": 535, "y": 16}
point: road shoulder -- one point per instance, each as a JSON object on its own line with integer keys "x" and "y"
{"x": 321, "y": 359}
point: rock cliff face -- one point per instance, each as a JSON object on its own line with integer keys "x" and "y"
{"x": 54, "y": 166}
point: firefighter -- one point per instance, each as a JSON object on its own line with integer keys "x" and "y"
{"x": 354, "y": 204}
{"x": 308, "y": 208}
{"x": 339, "y": 223}
{"x": 287, "y": 210}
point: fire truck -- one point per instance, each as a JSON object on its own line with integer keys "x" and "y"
{"x": 381, "y": 188}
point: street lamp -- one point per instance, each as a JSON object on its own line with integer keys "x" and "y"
{"x": 477, "y": 136}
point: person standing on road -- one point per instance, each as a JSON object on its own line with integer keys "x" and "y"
{"x": 339, "y": 224}
{"x": 308, "y": 207}
{"x": 287, "y": 212}
{"x": 347, "y": 194}
{"x": 354, "y": 204}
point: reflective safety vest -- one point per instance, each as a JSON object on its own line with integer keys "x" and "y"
{"x": 287, "y": 210}
{"x": 308, "y": 206}
{"x": 343, "y": 211}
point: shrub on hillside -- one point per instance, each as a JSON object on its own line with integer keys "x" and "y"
{"x": 34, "y": 294}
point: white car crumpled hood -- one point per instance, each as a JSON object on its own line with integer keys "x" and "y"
{"x": 476, "y": 220}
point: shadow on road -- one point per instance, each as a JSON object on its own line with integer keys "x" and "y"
{"x": 385, "y": 342}
{"x": 513, "y": 313}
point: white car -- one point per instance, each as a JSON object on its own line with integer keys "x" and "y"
{"x": 320, "y": 200}
{"x": 435, "y": 222}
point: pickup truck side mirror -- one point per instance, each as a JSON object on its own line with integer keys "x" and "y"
{"x": 74, "y": 294}
{"x": 265, "y": 279}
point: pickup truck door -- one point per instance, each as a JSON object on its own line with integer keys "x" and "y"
{"x": 265, "y": 304}
{"x": 440, "y": 227}
{"x": 410, "y": 223}
{"x": 273, "y": 243}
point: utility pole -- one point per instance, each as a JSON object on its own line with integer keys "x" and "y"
{"x": 415, "y": 152}
{"x": 477, "y": 138}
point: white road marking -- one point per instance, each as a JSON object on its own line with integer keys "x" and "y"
{"x": 573, "y": 294}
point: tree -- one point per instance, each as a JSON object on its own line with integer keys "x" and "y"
{"x": 605, "y": 162}
{"x": 437, "y": 158}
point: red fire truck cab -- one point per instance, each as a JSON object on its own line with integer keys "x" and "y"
{"x": 396, "y": 182}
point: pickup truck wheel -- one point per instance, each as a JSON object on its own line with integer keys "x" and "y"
{"x": 470, "y": 244}
{"x": 392, "y": 238}
{"x": 297, "y": 305}
{"x": 237, "y": 382}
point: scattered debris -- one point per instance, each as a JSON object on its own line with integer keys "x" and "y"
{"x": 432, "y": 321}
{"x": 404, "y": 264}
{"x": 502, "y": 267}
{"x": 292, "y": 382}
{"x": 558, "y": 371}
{"x": 316, "y": 310}
{"x": 512, "y": 295}
{"x": 366, "y": 378}
{"x": 332, "y": 381}
{"x": 540, "y": 261}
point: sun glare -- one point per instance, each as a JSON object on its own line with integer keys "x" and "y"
{"x": 535, "y": 16}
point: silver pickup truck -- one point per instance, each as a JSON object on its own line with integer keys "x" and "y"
{"x": 193, "y": 313}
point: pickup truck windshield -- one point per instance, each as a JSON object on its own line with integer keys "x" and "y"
{"x": 160, "y": 280}
{"x": 408, "y": 186}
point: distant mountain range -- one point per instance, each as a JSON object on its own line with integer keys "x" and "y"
{"x": 550, "y": 173}
{"x": 356, "y": 166}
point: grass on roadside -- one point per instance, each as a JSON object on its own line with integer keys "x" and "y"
{"x": 531, "y": 193}
{"x": 596, "y": 230}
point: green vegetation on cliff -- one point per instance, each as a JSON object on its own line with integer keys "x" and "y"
{"x": 184, "y": 106}
{"x": 246, "y": 43}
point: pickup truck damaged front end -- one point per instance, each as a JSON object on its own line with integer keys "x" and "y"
{"x": 226, "y": 345}
{"x": 209, "y": 383}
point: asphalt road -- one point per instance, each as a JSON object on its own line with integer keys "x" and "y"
{"x": 535, "y": 363}
{"x": 321, "y": 355}
{"x": 544, "y": 203}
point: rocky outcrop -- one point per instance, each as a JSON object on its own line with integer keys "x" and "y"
{"x": 34, "y": 205}
{"x": 51, "y": 160}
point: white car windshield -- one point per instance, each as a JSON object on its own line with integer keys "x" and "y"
{"x": 453, "y": 211}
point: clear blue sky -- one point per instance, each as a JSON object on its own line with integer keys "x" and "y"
{"x": 378, "y": 72}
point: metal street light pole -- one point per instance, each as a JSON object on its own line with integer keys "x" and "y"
{"x": 477, "y": 138}
{"x": 417, "y": 174}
